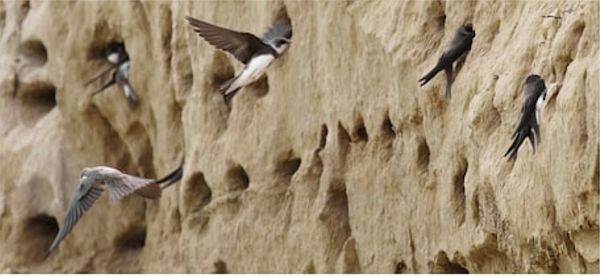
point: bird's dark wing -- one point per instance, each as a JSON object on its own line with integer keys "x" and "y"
{"x": 120, "y": 185}
{"x": 459, "y": 46}
{"x": 83, "y": 199}
{"x": 101, "y": 74}
{"x": 240, "y": 45}
{"x": 528, "y": 126}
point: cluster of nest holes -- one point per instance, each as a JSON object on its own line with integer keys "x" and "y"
{"x": 442, "y": 264}
{"x": 196, "y": 193}
{"x": 458, "y": 191}
{"x": 237, "y": 178}
{"x": 37, "y": 96}
{"x": 37, "y": 235}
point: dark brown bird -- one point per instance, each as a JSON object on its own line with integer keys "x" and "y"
{"x": 534, "y": 94}
{"x": 457, "y": 51}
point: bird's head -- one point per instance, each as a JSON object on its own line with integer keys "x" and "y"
{"x": 281, "y": 44}
{"x": 468, "y": 30}
{"x": 115, "y": 52}
{"x": 532, "y": 78}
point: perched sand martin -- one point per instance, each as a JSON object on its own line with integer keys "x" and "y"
{"x": 457, "y": 51}
{"x": 534, "y": 94}
{"x": 257, "y": 54}
{"x": 93, "y": 181}
{"x": 117, "y": 56}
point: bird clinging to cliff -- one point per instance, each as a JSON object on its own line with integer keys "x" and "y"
{"x": 117, "y": 56}
{"x": 457, "y": 50}
{"x": 256, "y": 53}
{"x": 534, "y": 94}
{"x": 93, "y": 181}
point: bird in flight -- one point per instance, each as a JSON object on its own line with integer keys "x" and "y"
{"x": 457, "y": 51}
{"x": 534, "y": 94}
{"x": 255, "y": 53}
{"x": 93, "y": 181}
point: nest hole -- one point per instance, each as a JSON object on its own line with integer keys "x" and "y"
{"x": 237, "y": 178}
{"x": 359, "y": 134}
{"x": 133, "y": 239}
{"x": 400, "y": 267}
{"x": 423, "y": 155}
{"x": 458, "y": 196}
{"x": 196, "y": 193}
{"x": 220, "y": 267}
{"x": 323, "y": 137}
{"x": 289, "y": 167}
{"x": 36, "y": 236}
{"x": 387, "y": 128}
{"x": 443, "y": 265}
{"x": 34, "y": 53}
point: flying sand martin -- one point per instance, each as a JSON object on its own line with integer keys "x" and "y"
{"x": 457, "y": 51}
{"x": 93, "y": 181}
{"x": 255, "y": 53}
{"x": 118, "y": 58}
{"x": 534, "y": 94}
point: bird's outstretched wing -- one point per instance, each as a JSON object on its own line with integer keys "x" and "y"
{"x": 240, "y": 45}
{"x": 83, "y": 199}
{"x": 120, "y": 185}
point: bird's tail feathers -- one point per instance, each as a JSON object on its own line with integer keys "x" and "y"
{"x": 514, "y": 147}
{"x": 228, "y": 95}
{"x": 425, "y": 79}
{"x": 171, "y": 178}
{"x": 131, "y": 95}
{"x": 449, "y": 80}
{"x": 151, "y": 191}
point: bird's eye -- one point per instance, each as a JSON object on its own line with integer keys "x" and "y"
{"x": 279, "y": 42}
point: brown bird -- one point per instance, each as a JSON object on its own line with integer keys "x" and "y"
{"x": 457, "y": 52}
{"x": 93, "y": 181}
{"x": 534, "y": 94}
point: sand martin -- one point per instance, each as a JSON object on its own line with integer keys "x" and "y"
{"x": 534, "y": 94}
{"x": 118, "y": 58}
{"x": 93, "y": 181}
{"x": 255, "y": 53}
{"x": 457, "y": 52}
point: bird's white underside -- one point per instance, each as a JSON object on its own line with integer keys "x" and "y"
{"x": 251, "y": 72}
{"x": 539, "y": 105}
{"x": 124, "y": 69}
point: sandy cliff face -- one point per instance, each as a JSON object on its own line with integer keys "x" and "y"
{"x": 335, "y": 162}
